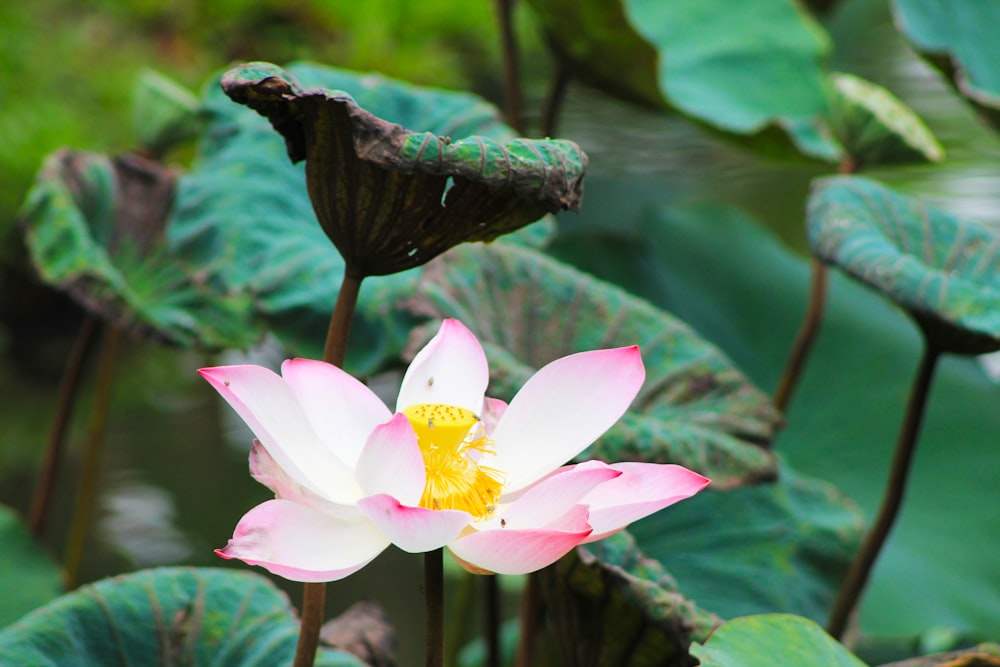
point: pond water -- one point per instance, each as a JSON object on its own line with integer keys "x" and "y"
{"x": 174, "y": 472}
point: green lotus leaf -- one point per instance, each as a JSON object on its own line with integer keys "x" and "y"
{"x": 781, "y": 547}
{"x": 28, "y": 577}
{"x": 773, "y": 639}
{"x": 694, "y": 409}
{"x": 944, "y": 271}
{"x": 391, "y": 199}
{"x": 244, "y": 211}
{"x": 748, "y": 68}
{"x": 94, "y": 228}
{"x": 875, "y": 128}
{"x": 611, "y": 606}
{"x": 959, "y": 37}
{"x": 164, "y": 616}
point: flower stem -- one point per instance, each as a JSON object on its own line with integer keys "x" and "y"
{"x": 314, "y": 594}
{"x": 90, "y": 470}
{"x": 511, "y": 70}
{"x": 69, "y": 388}
{"x": 491, "y": 620}
{"x": 531, "y": 601}
{"x": 804, "y": 339}
{"x": 434, "y": 602}
{"x": 857, "y": 576}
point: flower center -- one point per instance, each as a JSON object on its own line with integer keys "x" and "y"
{"x": 453, "y": 441}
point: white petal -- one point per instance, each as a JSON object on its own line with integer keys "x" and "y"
{"x": 303, "y": 544}
{"x": 341, "y": 409}
{"x": 414, "y": 529}
{"x": 265, "y": 402}
{"x": 562, "y": 409}
{"x": 450, "y": 370}
{"x": 391, "y": 462}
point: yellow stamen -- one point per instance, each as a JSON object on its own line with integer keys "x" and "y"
{"x": 452, "y": 441}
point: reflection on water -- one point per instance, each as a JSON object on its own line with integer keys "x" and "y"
{"x": 140, "y": 521}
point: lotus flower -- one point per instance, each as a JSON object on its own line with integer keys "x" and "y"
{"x": 450, "y": 467}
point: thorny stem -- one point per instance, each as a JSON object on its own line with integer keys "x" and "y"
{"x": 810, "y": 325}
{"x": 857, "y": 576}
{"x": 434, "y": 602}
{"x": 804, "y": 339}
{"x": 68, "y": 392}
{"x": 531, "y": 612}
{"x": 90, "y": 470}
{"x": 554, "y": 99}
{"x": 314, "y": 594}
{"x": 491, "y": 620}
{"x": 511, "y": 69}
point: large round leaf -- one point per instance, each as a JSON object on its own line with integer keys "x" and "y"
{"x": 695, "y": 408}
{"x": 28, "y": 577}
{"x": 244, "y": 210}
{"x": 391, "y": 198}
{"x": 942, "y": 270}
{"x": 610, "y": 606}
{"x": 748, "y": 295}
{"x": 959, "y": 36}
{"x": 773, "y": 639}
{"x": 167, "y": 616}
{"x": 94, "y": 228}
{"x": 747, "y": 68}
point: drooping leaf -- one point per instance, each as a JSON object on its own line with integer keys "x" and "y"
{"x": 773, "y": 639}
{"x": 875, "y": 128}
{"x": 781, "y": 547}
{"x": 28, "y": 577}
{"x": 244, "y": 210}
{"x": 694, "y": 409}
{"x": 750, "y": 68}
{"x": 165, "y": 616}
{"x": 942, "y": 270}
{"x": 392, "y": 198}
{"x": 611, "y": 606}
{"x": 959, "y": 37}
{"x": 747, "y": 295}
{"x": 94, "y": 228}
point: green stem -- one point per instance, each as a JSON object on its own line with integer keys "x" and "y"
{"x": 314, "y": 594}
{"x": 511, "y": 69}
{"x": 531, "y": 612}
{"x": 69, "y": 390}
{"x": 906, "y": 445}
{"x": 434, "y": 602}
{"x": 491, "y": 620}
{"x": 90, "y": 471}
{"x": 804, "y": 339}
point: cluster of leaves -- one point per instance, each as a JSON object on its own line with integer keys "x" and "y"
{"x": 231, "y": 249}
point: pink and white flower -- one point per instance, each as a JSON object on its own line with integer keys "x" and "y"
{"x": 450, "y": 468}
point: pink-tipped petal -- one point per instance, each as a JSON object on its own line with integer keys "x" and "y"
{"x": 641, "y": 490}
{"x": 506, "y": 551}
{"x": 562, "y": 409}
{"x": 549, "y": 499}
{"x": 493, "y": 409}
{"x": 391, "y": 462}
{"x": 265, "y": 402}
{"x": 450, "y": 370}
{"x": 302, "y": 544}
{"x": 340, "y": 408}
{"x": 413, "y": 529}
{"x": 266, "y": 470}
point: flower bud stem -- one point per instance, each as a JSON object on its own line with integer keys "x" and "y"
{"x": 434, "y": 601}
